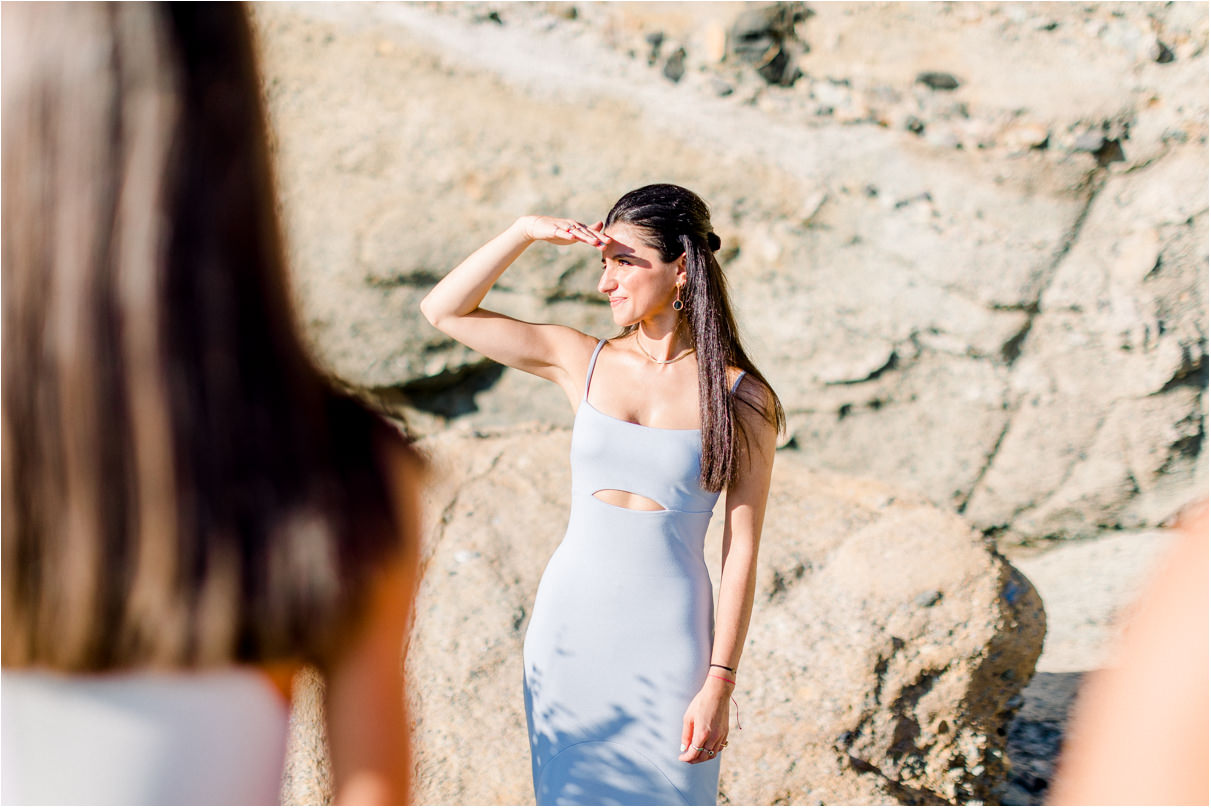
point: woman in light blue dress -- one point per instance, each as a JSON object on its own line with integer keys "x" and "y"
{"x": 629, "y": 663}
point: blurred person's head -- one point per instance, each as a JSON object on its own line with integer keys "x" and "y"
{"x": 180, "y": 487}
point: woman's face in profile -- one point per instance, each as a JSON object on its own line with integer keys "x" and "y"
{"x": 637, "y": 282}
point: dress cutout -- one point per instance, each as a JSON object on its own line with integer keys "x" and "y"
{"x": 620, "y": 638}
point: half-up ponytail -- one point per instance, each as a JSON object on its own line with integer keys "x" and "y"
{"x": 678, "y": 222}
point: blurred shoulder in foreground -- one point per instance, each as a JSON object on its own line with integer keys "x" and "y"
{"x": 1139, "y": 733}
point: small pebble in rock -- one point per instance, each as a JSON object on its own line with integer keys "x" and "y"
{"x": 674, "y": 68}
{"x": 927, "y": 599}
{"x": 721, "y": 87}
{"x": 655, "y": 40}
{"x": 938, "y": 81}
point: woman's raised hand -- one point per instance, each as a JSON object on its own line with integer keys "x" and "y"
{"x": 563, "y": 231}
{"x": 453, "y": 306}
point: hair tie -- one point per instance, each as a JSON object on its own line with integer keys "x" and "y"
{"x": 713, "y": 241}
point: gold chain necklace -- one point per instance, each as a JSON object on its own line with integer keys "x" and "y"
{"x": 676, "y": 358}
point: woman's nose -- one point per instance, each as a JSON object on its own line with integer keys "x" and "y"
{"x": 607, "y": 283}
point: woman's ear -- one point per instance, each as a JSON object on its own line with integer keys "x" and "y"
{"x": 681, "y": 269}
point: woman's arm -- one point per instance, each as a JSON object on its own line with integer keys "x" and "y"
{"x": 549, "y": 351}
{"x": 706, "y": 720}
{"x": 367, "y": 724}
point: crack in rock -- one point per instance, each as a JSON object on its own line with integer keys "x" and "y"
{"x": 988, "y": 460}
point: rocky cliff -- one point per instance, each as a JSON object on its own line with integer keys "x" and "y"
{"x": 967, "y": 242}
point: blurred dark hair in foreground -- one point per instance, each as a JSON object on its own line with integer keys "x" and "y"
{"x": 180, "y": 487}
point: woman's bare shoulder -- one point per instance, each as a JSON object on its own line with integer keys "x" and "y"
{"x": 761, "y": 412}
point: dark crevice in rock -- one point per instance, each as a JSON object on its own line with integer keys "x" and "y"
{"x": 576, "y": 297}
{"x": 904, "y": 738}
{"x": 450, "y": 393}
{"x": 1093, "y": 187}
{"x": 1134, "y": 483}
{"x": 907, "y": 728}
{"x": 975, "y": 484}
{"x": 1111, "y": 151}
{"x": 1156, "y": 268}
{"x": 904, "y": 795}
{"x": 992, "y": 534}
{"x": 1192, "y": 373}
{"x": 910, "y": 695}
{"x": 1188, "y": 446}
{"x": 1012, "y": 348}
{"x": 936, "y": 80}
{"x": 880, "y": 672}
{"x": 892, "y": 363}
{"x": 863, "y": 766}
{"x": 422, "y": 278}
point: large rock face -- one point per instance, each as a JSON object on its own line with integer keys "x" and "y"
{"x": 968, "y": 242}
{"x": 887, "y": 645}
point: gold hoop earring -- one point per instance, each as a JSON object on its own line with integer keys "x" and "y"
{"x": 677, "y": 304}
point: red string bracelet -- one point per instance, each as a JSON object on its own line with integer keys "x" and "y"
{"x": 731, "y": 682}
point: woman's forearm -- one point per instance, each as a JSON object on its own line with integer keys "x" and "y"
{"x": 464, "y": 287}
{"x": 737, "y": 586}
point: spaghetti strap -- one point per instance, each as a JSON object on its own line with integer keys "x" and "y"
{"x": 592, "y": 363}
{"x": 736, "y": 384}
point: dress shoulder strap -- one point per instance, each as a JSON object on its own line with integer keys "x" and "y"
{"x": 736, "y": 384}
{"x": 588, "y": 377}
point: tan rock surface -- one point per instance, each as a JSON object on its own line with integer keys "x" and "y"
{"x": 1013, "y": 327}
{"x": 993, "y": 295}
{"x": 886, "y": 643}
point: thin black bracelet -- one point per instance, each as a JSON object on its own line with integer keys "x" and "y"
{"x": 725, "y": 667}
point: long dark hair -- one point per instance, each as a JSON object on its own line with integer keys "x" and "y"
{"x": 180, "y": 485}
{"x": 676, "y": 221}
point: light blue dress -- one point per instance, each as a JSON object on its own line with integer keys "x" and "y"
{"x": 620, "y": 637}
